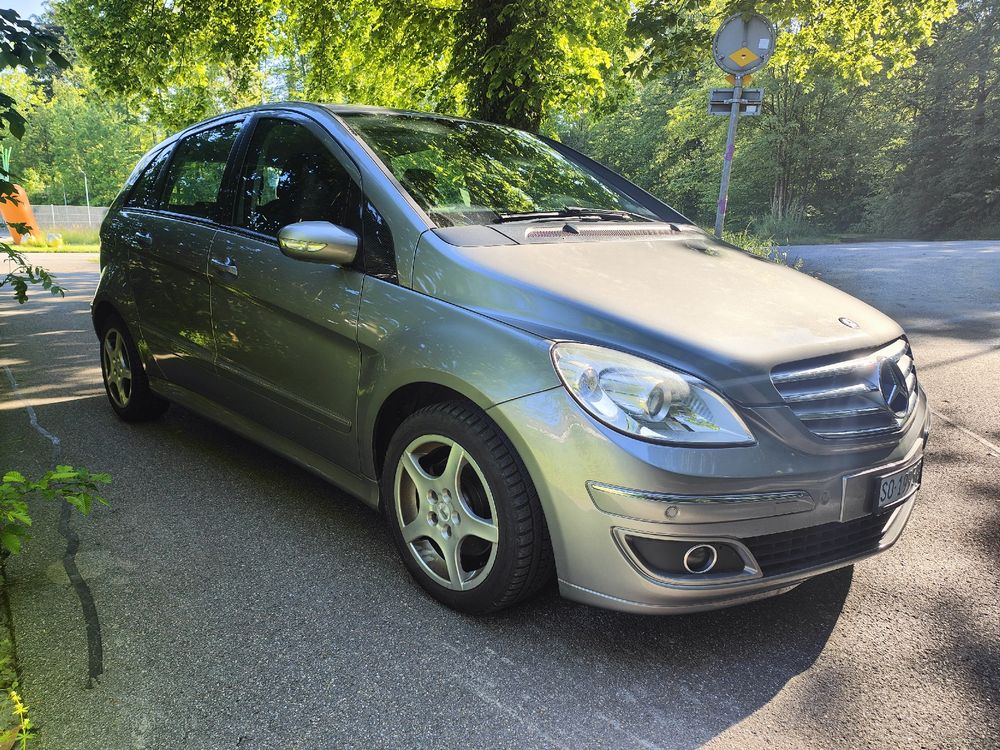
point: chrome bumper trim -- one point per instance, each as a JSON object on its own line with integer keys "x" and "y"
{"x": 660, "y": 507}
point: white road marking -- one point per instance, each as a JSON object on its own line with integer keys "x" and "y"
{"x": 978, "y": 438}
{"x": 32, "y": 417}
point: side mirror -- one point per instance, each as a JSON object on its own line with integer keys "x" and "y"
{"x": 318, "y": 242}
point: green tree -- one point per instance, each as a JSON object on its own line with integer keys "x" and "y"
{"x": 23, "y": 45}
{"x": 74, "y": 130}
{"x": 511, "y": 61}
{"x": 507, "y": 60}
{"x": 854, "y": 40}
{"x": 944, "y": 176}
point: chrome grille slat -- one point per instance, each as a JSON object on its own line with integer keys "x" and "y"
{"x": 894, "y": 352}
{"x": 850, "y": 390}
{"x": 841, "y": 398}
{"x": 812, "y": 416}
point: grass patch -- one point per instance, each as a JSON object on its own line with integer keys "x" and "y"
{"x": 75, "y": 236}
{"x": 96, "y": 248}
{"x": 762, "y": 247}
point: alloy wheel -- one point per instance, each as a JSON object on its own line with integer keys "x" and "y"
{"x": 117, "y": 368}
{"x": 446, "y": 512}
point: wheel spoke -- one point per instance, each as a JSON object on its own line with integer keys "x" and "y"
{"x": 453, "y": 562}
{"x": 453, "y": 468}
{"x": 414, "y": 529}
{"x": 420, "y": 478}
{"x": 473, "y": 525}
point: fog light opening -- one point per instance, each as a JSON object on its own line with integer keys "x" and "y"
{"x": 701, "y": 558}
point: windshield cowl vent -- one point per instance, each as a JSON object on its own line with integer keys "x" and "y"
{"x": 577, "y": 232}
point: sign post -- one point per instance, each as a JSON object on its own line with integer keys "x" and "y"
{"x": 743, "y": 44}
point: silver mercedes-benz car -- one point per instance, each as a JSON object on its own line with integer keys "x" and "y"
{"x": 531, "y": 366}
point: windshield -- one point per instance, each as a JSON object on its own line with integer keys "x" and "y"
{"x": 463, "y": 172}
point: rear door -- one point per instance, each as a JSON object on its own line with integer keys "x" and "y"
{"x": 286, "y": 330}
{"x": 169, "y": 255}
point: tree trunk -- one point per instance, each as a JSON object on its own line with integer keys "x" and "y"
{"x": 503, "y": 85}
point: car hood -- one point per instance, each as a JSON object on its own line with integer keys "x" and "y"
{"x": 687, "y": 301}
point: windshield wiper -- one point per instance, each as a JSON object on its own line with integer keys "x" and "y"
{"x": 579, "y": 212}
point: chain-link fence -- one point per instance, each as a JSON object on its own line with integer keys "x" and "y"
{"x": 68, "y": 217}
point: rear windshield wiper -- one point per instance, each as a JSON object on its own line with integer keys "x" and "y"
{"x": 581, "y": 212}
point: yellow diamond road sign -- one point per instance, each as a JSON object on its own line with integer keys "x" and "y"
{"x": 743, "y": 56}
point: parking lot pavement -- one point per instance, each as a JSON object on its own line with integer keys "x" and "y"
{"x": 241, "y": 602}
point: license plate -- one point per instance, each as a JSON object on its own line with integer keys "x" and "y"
{"x": 900, "y": 484}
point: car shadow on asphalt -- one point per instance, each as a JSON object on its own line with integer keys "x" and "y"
{"x": 580, "y": 672}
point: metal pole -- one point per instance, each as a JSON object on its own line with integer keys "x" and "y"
{"x": 727, "y": 161}
{"x": 86, "y": 192}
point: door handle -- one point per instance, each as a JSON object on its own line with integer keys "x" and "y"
{"x": 225, "y": 266}
{"x": 144, "y": 239}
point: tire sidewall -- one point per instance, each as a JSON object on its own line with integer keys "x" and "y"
{"x": 140, "y": 397}
{"x": 488, "y": 594}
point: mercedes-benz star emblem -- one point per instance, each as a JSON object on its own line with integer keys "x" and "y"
{"x": 849, "y": 323}
{"x": 892, "y": 386}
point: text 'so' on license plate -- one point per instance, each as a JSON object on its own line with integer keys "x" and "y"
{"x": 892, "y": 488}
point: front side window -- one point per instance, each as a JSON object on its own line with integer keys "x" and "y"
{"x": 290, "y": 176}
{"x": 194, "y": 179}
{"x": 463, "y": 172}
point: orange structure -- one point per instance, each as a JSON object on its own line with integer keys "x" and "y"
{"x": 19, "y": 213}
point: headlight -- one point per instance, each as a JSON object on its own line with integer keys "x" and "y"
{"x": 647, "y": 400}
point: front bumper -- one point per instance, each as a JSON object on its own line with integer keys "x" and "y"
{"x": 599, "y": 488}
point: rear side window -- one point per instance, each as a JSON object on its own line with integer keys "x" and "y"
{"x": 194, "y": 179}
{"x": 144, "y": 193}
{"x": 290, "y": 176}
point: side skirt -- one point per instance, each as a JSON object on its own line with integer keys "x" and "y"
{"x": 361, "y": 487}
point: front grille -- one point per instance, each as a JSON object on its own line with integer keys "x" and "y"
{"x": 838, "y": 397}
{"x": 789, "y": 551}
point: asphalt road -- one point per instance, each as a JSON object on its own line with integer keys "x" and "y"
{"x": 241, "y": 602}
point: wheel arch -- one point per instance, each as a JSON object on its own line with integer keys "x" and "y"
{"x": 103, "y": 309}
{"x": 401, "y": 403}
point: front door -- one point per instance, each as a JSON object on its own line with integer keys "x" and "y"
{"x": 286, "y": 330}
{"x": 169, "y": 240}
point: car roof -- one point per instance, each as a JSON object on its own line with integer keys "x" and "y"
{"x": 335, "y": 109}
{"x": 316, "y": 107}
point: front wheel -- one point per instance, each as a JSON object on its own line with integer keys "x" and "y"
{"x": 463, "y": 511}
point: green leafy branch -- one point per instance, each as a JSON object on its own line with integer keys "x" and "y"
{"x": 78, "y": 487}
{"x": 27, "y": 45}
{"x": 22, "y": 731}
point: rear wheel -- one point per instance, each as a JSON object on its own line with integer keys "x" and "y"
{"x": 125, "y": 381}
{"x": 463, "y": 511}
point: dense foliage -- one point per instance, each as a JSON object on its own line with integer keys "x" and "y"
{"x": 911, "y": 154}
{"x": 27, "y": 47}
{"x": 879, "y": 118}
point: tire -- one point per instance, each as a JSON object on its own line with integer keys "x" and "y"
{"x": 125, "y": 380}
{"x": 451, "y": 484}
